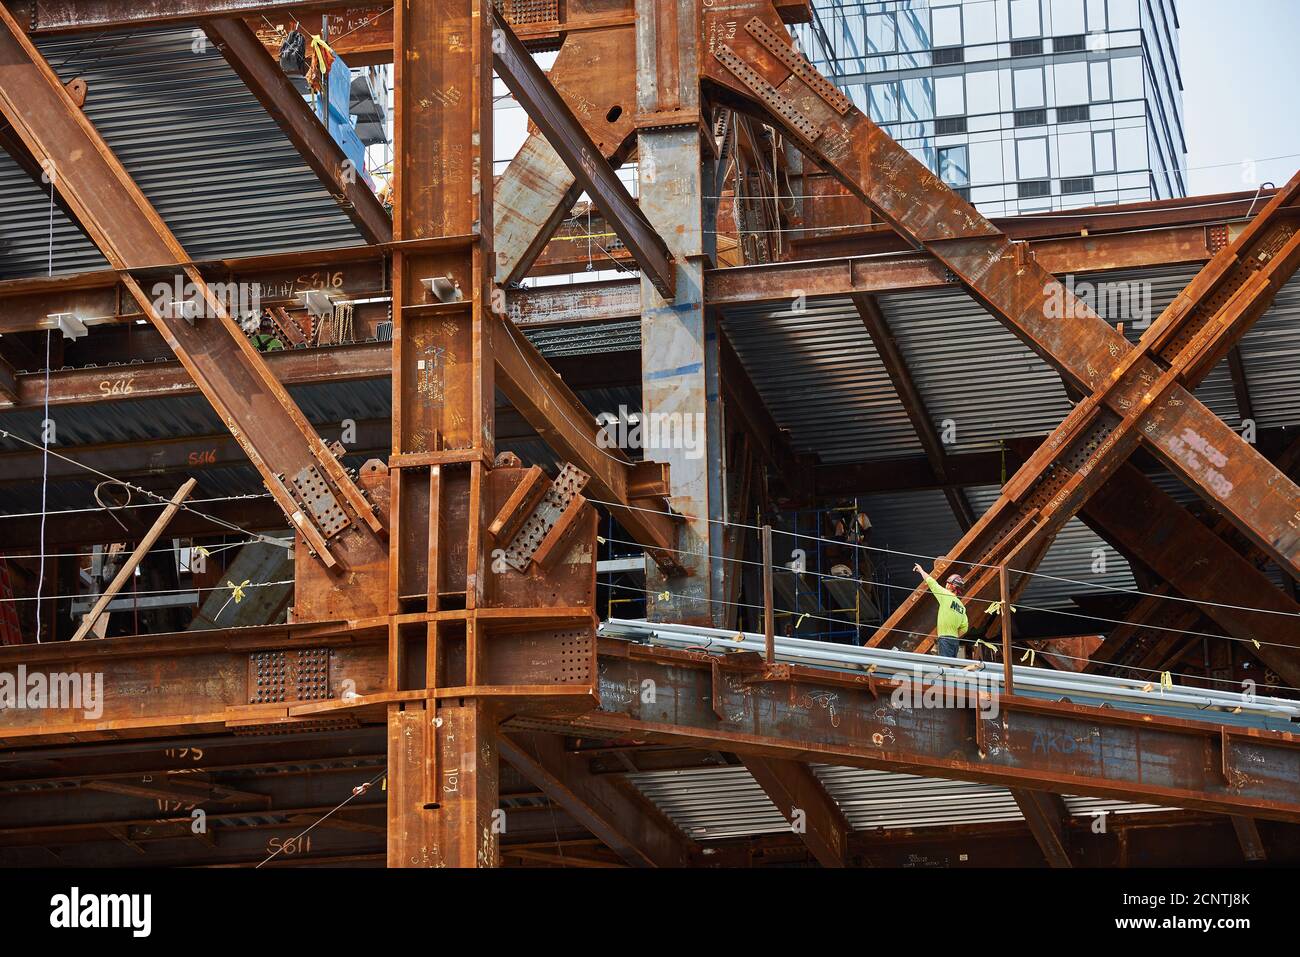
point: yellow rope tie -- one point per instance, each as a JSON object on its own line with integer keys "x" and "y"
{"x": 321, "y": 49}
{"x": 238, "y": 590}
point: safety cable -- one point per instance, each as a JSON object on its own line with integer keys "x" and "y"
{"x": 357, "y": 791}
{"x": 934, "y": 559}
{"x": 158, "y": 499}
{"x": 1020, "y": 604}
{"x": 195, "y": 501}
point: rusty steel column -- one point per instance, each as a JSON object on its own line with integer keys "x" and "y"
{"x": 442, "y": 753}
{"x": 680, "y": 393}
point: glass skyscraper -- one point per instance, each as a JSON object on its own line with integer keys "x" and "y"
{"x": 1021, "y": 105}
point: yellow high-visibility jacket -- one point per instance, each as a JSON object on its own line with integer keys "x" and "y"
{"x": 952, "y": 613}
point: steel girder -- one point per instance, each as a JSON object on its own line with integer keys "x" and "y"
{"x": 1195, "y": 560}
{"x": 629, "y": 825}
{"x": 804, "y": 802}
{"x": 361, "y": 272}
{"x": 585, "y": 160}
{"x": 201, "y": 683}
{"x": 792, "y": 713}
{"x": 263, "y": 76}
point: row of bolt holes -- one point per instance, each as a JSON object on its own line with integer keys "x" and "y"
{"x": 578, "y": 666}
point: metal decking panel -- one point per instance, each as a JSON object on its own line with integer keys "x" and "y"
{"x": 713, "y": 804}
{"x": 821, "y": 379}
{"x": 205, "y": 152}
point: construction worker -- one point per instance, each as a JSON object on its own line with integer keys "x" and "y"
{"x": 952, "y": 622}
{"x": 265, "y": 339}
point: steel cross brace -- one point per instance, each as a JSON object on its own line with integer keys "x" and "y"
{"x": 342, "y": 529}
{"x": 537, "y": 190}
{"x": 1132, "y": 393}
{"x": 584, "y": 159}
{"x": 1141, "y": 398}
{"x": 1157, "y": 628}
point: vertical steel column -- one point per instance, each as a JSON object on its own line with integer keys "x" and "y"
{"x": 442, "y": 752}
{"x": 680, "y": 394}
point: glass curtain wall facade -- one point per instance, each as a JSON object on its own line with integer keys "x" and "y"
{"x": 1021, "y": 105}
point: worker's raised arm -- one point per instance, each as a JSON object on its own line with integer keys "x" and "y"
{"x": 935, "y": 588}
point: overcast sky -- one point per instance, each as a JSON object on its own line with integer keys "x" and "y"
{"x": 1241, "y": 90}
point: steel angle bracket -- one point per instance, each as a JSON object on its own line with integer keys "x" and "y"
{"x": 536, "y": 524}
{"x": 318, "y": 499}
{"x": 798, "y": 64}
{"x": 767, "y": 94}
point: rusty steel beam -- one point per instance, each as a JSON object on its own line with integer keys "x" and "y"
{"x": 803, "y": 801}
{"x": 1222, "y": 213}
{"x": 442, "y": 754}
{"x": 9, "y": 387}
{"x": 570, "y": 304}
{"x": 882, "y": 338}
{"x": 74, "y": 16}
{"x": 156, "y": 380}
{"x": 200, "y": 684}
{"x": 292, "y": 367}
{"x": 267, "y": 81}
{"x": 213, "y": 349}
{"x": 679, "y": 334}
{"x": 1152, "y": 636}
{"x": 1196, "y": 563}
{"x": 1252, "y": 845}
{"x": 11, "y": 144}
{"x": 1046, "y": 816}
{"x": 361, "y": 272}
{"x": 1142, "y": 399}
{"x": 1202, "y": 766}
{"x": 892, "y": 271}
{"x": 1153, "y": 623}
{"x": 629, "y": 826}
{"x": 913, "y": 472}
{"x": 585, "y": 160}
{"x": 550, "y": 407}
{"x": 98, "y": 298}
{"x": 191, "y": 454}
{"x": 1240, "y": 387}
{"x": 361, "y": 34}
